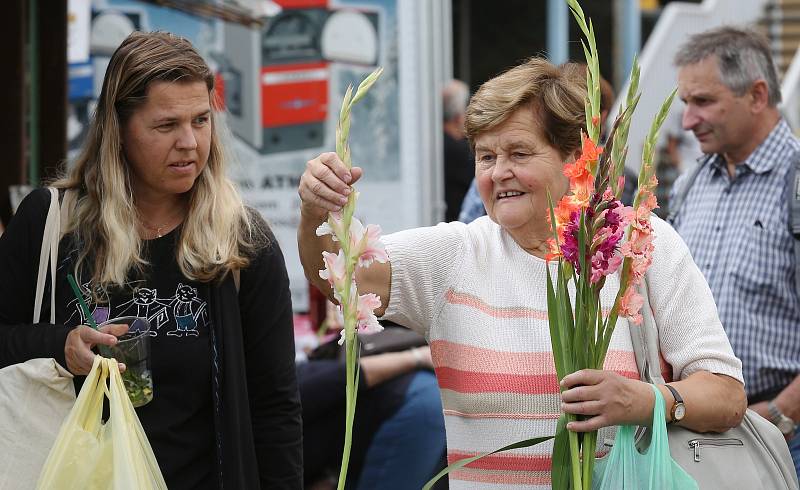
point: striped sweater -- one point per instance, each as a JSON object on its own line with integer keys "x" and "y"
{"x": 480, "y": 300}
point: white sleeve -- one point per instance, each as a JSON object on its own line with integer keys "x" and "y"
{"x": 690, "y": 333}
{"x": 422, "y": 261}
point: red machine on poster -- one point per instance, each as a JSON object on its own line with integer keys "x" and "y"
{"x": 276, "y": 78}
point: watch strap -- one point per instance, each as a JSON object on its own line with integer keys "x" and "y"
{"x": 785, "y": 424}
{"x": 678, "y": 401}
{"x": 775, "y": 414}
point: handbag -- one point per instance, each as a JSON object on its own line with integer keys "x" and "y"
{"x": 393, "y": 338}
{"x": 752, "y": 455}
{"x": 37, "y": 395}
{"x": 95, "y": 455}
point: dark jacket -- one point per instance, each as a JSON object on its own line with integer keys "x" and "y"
{"x": 258, "y": 421}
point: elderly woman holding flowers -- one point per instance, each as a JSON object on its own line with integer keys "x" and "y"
{"x": 477, "y": 291}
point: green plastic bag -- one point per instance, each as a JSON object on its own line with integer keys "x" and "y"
{"x": 91, "y": 455}
{"x": 625, "y": 468}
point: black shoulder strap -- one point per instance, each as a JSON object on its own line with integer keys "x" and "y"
{"x": 793, "y": 189}
{"x": 677, "y": 201}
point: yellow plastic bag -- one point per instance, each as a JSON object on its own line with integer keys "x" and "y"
{"x": 91, "y": 455}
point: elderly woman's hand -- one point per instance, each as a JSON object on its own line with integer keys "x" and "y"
{"x": 81, "y": 340}
{"x": 606, "y": 398}
{"x": 325, "y": 185}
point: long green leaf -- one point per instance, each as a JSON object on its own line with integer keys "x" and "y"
{"x": 560, "y": 471}
{"x": 465, "y": 461}
{"x": 556, "y": 331}
{"x": 567, "y": 328}
{"x": 581, "y": 319}
{"x": 589, "y": 454}
{"x": 569, "y": 321}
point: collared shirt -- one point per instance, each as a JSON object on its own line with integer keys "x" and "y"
{"x": 472, "y": 207}
{"x": 738, "y": 232}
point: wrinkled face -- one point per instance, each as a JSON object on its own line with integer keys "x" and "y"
{"x": 167, "y": 140}
{"x": 514, "y": 168}
{"x": 720, "y": 120}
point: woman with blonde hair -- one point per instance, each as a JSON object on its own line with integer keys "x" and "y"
{"x": 155, "y": 229}
{"x": 477, "y": 293}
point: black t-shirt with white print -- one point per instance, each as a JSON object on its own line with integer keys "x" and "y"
{"x": 179, "y": 420}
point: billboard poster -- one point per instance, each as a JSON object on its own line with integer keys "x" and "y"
{"x": 282, "y": 85}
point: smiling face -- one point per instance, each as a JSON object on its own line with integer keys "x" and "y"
{"x": 515, "y": 167}
{"x": 167, "y": 140}
{"x": 721, "y": 120}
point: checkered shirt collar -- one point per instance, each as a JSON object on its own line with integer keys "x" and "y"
{"x": 763, "y": 157}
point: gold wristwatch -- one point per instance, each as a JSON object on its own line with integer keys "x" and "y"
{"x": 678, "y": 410}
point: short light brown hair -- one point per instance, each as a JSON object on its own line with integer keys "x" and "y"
{"x": 555, "y": 94}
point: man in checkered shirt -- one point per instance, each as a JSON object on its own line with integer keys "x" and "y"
{"x": 735, "y": 215}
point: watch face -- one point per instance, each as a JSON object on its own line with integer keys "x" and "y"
{"x": 680, "y": 411}
{"x": 785, "y": 425}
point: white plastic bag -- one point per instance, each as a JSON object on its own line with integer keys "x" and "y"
{"x": 92, "y": 455}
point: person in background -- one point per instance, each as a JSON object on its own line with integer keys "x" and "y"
{"x": 735, "y": 214}
{"x": 477, "y": 293}
{"x": 156, "y": 229}
{"x": 398, "y": 435}
{"x": 458, "y": 160}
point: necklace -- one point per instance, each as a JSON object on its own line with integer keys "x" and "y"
{"x": 166, "y": 222}
{"x": 158, "y": 230}
{"x": 154, "y": 229}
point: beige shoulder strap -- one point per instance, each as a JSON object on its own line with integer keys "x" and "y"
{"x": 48, "y": 255}
{"x": 54, "y": 227}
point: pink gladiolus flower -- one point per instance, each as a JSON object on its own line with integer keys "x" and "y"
{"x": 365, "y": 306}
{"x": 606, "y": 258}
{"x": 631, "y": 305}
{"x": 334, "y": 271}
{"x": 366, "y": 243}
{"x": 603, "y": 265}
{"x": 336, "y": 229}
{"x": 569, "y": 241}
{"x": 563, "y": 213}
{"x": 366, "y": 320}
{"x": 639, "y": 248}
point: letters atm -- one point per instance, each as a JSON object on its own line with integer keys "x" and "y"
{"x": 276, "y": 78}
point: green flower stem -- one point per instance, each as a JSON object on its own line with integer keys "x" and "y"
{"x": 589, "y": 444}
{"x": 574, "y": 456}
{"x": 349, "y": 304}
{"x": 349, "y": 415}
{"x": 647, "y": 169}
{"x": 592, "y": 103}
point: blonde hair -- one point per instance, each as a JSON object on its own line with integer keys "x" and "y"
{"x": 218, "y": 233}
{"x": 555, "y": 94}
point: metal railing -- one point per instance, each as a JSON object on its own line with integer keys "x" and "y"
{"x": 790, "y": 93}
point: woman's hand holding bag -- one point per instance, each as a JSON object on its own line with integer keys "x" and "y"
{"x": 625, "y": 468}
{"x": 92, "y": 455}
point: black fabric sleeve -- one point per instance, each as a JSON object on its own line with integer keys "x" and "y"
{"x": 20, "y": 246}
{"x": 267, "y": 322}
